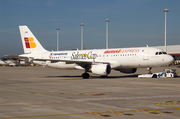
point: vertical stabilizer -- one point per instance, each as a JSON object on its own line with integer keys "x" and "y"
{"x": 29, "y": 41}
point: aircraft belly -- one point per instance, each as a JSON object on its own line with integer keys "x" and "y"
{"x": 129, "y": 63}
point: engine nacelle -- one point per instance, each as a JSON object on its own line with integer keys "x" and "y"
{"x": 127, "y": 70}
{"x": 101, "y": 69}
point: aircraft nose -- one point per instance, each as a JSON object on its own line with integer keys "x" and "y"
{"x": 170, "y": 59}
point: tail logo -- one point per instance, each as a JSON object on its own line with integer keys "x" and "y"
{"x": 29, "y": 41}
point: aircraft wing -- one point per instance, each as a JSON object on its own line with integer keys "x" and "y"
{"x": 70, "y": 61}
{"x": 16, "y": 57}
{"x": 27, "y": 59}
{"x": 82, "y": 63}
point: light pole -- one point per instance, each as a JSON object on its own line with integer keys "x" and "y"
{"x": 165, "y": 47}
{"x": 57, "y": 38}
{"x": 107, "y": 20}
{"x": 82, "y": 24}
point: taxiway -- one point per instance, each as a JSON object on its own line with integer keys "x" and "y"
{"x": 37, "y": 92}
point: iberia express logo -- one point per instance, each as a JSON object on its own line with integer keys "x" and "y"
{"x": 122, "y": 51}
{"x": 112, "y": 51}
{"x": 29, "y": 41}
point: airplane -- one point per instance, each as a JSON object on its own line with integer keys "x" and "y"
{"x": 96, "y": 61}
{"x": 10, "y": 63}
{"x": 13, "y": 63}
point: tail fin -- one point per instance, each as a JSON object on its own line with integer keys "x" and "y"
{"x": 29, "y": 41}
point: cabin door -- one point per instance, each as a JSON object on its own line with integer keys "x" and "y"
{"x": 145, "y": 54}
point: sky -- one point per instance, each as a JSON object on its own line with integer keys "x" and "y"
{"x": 132, "y": 23}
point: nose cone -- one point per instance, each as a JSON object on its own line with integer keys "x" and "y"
{"x": 169, "y": 59}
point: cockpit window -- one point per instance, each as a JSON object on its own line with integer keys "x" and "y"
{"x": 164, "y": 52}
{"x": 160, "y": 53}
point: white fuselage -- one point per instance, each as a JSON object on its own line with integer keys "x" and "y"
{"x": 117, "y": 58}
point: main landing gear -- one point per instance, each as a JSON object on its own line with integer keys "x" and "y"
{"x": 85, "y": 75}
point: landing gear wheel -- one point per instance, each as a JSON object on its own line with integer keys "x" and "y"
{"x": 85, "y": 75}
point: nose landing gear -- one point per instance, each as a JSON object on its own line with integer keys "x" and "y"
{"x": 149, "y": 70}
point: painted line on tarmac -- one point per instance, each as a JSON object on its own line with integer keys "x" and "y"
{"x": 128, "y": 98}
{"x": 45, "y": 102}
{"x": 23, "y": 103}
{"x": 119, "y": 87}
{"x": 44, "y": 92}
{"x": 169, "y": 103}
{"x": 103, "y": 114}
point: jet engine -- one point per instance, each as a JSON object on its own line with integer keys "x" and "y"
{"x": 127, "y": 70}
{"x": 101, "y": 69}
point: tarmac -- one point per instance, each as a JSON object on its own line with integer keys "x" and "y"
{"x": 45, "y": 93}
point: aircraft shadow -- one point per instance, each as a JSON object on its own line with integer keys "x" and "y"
{"x": 91, "y": 77}
{"x": 126, "y": 76}
{"x": 61, "y": 76}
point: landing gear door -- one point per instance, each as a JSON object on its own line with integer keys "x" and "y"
{"x": 145, "y": 54}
